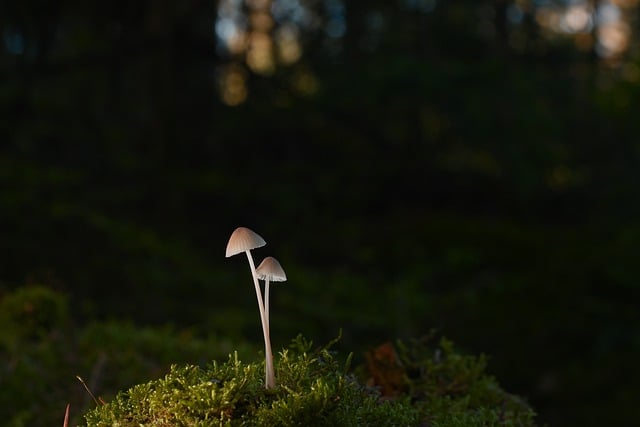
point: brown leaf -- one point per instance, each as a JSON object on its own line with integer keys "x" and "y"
{"x": 386, "y": 370}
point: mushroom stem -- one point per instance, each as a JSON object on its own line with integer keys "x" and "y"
{"x": 269, "y": 270}
{"x": 270, "y": 381}
{"x": 266, "y": 304}
{"x": 271, "y": 375}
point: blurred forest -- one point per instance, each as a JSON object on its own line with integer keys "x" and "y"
{"x": 464, "y": 165}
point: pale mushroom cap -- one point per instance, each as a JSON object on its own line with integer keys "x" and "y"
{"x": 271, "y": 270}
{"x": 243, "y": 239}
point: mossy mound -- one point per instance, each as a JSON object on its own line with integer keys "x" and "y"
{"x": 407, "y": 384}
{"x": 42, "y": 350}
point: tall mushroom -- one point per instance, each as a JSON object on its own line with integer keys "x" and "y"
{"x": 244, "y": 240}
{"x": 270, "y": 270}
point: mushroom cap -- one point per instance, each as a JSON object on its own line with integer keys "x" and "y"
{"x": 271, "y": 270}
{"x": 242, "y": 239}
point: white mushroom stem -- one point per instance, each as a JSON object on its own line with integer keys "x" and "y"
{"x": 266, "y": 304}
{"x": 270, "y": 371}
{"x": 270, "y": 270}
{"x": 271, "y": 376}
{"x": 270, "y": 381}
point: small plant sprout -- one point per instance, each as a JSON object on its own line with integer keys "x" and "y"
{"x": 244, "y": 240}
{"x": 270, "y": 270}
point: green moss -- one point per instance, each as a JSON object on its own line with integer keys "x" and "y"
{"x": 408, "y": 384}
{"x": 42, "y": 350}
{"x": 453, "y": 389}
{"x": 313, "y": 389}
{"x": 419, "y": 382}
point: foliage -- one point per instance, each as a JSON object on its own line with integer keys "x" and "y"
{"x": 448, "y": 387}
{"x": 30, "y": 315}
{"x": 41, "y": 352}
{"x": 32, "y": 336}
{"x": 440, "y": 388}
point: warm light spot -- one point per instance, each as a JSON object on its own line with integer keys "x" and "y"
{"x": 266, "y": 33}
{"x": 613, "y": 39}
{"x": 261, "y": 21}
{"x": 231, "y": 27}
{"x": 260, "y": 53}
{"x": 289, "y": 49}
{"x": 237, "y": 43}
{"x": 233, "y": 86}
{"x": 577, "y": 19}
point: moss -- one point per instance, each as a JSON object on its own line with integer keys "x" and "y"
{"x": 453, "y": 389}
{"x": 42, "y": 350}
{"x": 409, "y": 383}
{"x": 417, "y": 382}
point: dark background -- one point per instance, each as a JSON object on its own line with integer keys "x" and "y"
{"x": 469, "y": 166}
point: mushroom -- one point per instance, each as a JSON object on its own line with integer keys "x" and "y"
{"x": 270, "y": 270}
{"x": 244, "y": 240}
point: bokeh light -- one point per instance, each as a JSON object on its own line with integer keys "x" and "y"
{"x": 233, "y": 85}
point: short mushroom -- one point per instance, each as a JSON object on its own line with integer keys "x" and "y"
{"x": 244, "y": 240}
{"x": 270, "y": 270}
